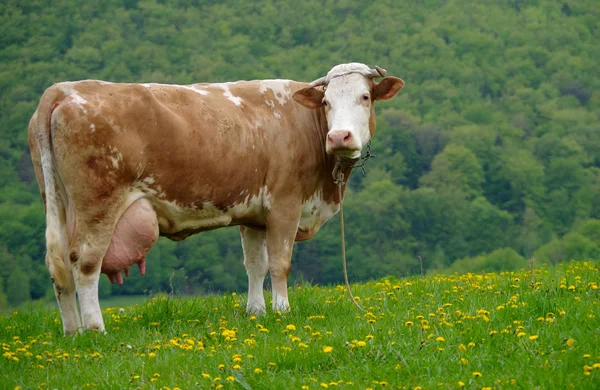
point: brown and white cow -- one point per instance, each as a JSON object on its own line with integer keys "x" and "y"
{"x": 120, "y": 164}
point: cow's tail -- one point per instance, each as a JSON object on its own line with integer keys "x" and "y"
{"x": 55, "y": 254}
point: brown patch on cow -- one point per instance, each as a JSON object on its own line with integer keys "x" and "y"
{"x": 99, "y": 217}
{"x": 92, "y": 162}
{"x": 73, "y": 256}
{"x": 88, "y": 268}
{"x": 104, "y": 194}
{"x": 44, "y": 201}
{"x": 372, "y": 121}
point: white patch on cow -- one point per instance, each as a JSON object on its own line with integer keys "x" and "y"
{"x": 315, "y": 212}
{"x": 115, "y": 162}
{"x": 149, "y": 180}
{"x": 286, "y": 245}
{"x": 81, "y": 102}
{"x": 267, "y": 199}
{"x": 92, "y": 128}
{"x": 192, "y": 87}
{"x": 115, "y": 156}
{"x": 195, "y": 89}
{"x": 280, "y": 88}
{"x": 271, "y": 105}
{"x": 227, "y": 93}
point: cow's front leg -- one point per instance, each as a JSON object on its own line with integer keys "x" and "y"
{"x": 282, "y": 226}
{"x": 254, "y": 244}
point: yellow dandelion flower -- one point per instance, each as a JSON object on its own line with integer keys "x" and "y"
{"x": 230, "y": 379}
{"x": 521, "y": 334}
{"x": 152, "y": 355}
{"x": 440, "y": 339}
{"x": 464, "y": 361}
{"x": 476, "y": 374}
{"x": 290, "y": 327}
{"x": 586, "y": 356}
{"x": 327, "y": 349}
{"x": 258, "y": 370}
{"x": 534, "y": 337}
{"x": 361, "y": 343}
{"x": 461, "y": 384}
{"x": 369, "y": 337}
{"x": 205, "y": 375}
{"x": 570, "y": 342}
{"x": 408, "y": 323}
{"x": 324, "y": 385}
{"x": 236, "y": 367}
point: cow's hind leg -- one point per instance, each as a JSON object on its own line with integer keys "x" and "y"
{"x": 66, "y": 298}
{"x": 60, "y": 270}
{"x": 86, "y": 254}
{"x": 256, "y": 261}
{"x": 65, "y": 291}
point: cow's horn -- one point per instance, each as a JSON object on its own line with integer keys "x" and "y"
{"x": 381, "y": 71}
{"x": 377, "y": 72}
{"x": 317, "y": 82}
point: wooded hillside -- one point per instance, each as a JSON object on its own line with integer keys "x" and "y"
{"x": 490, "y": 155}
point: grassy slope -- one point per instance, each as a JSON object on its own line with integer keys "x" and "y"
{"x": 433, "y": 332}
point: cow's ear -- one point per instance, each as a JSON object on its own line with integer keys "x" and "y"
{"x": 309, "y": 97}
{"x": 388, "y": 88}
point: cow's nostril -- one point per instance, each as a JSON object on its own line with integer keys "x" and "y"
{"x": 347, "y": 137}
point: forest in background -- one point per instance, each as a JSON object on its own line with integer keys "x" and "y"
{"x": 488, "y": 157}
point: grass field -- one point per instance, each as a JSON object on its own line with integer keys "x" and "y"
{"x": 508, "y": 331}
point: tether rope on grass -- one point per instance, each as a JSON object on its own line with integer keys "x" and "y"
{"x": 338, "y": 179}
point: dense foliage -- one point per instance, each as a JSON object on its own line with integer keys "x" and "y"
{"x": 492, "y": 147}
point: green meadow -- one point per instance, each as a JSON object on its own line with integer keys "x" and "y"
{"x": 536, "y": 328}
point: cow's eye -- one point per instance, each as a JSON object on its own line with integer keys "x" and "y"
{"x": 365, "y": 97}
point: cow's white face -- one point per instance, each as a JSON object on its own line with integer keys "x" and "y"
{"x": 347, "y": 103}
{"x": 347, "y": 98}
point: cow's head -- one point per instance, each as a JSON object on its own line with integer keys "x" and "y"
{"x": 347, "y": 94}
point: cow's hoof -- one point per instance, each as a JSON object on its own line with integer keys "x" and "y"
{"x": 256, "y": 310}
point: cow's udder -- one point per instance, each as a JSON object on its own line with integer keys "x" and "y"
{"x": 135, "y": 234}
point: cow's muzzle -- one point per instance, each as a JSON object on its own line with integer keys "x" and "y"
{"x": 343, "y": 143}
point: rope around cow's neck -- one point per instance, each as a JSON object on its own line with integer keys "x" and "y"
{"x": 338, "y": 179}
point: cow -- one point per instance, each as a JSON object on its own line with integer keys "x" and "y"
{"x": 120, "y": 164}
